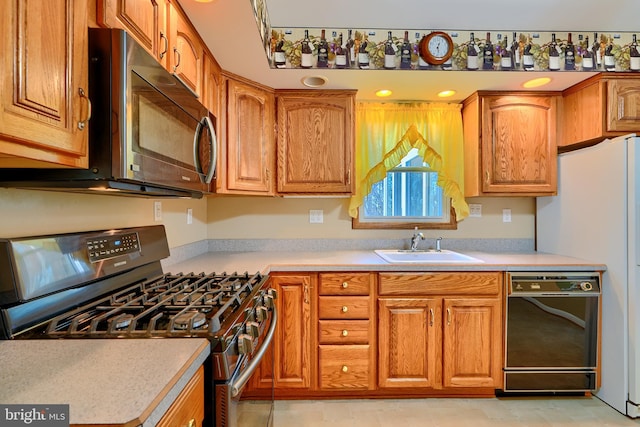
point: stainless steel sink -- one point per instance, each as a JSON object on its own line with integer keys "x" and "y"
{"x": 424, "y": 256}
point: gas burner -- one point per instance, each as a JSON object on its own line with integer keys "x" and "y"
{"x": 123, "y": 321}
{"x": 181, "y": 321}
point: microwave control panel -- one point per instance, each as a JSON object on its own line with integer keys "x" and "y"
{"x": 105, "y": 247}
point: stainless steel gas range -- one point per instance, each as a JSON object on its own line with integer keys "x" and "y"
{"x": 110, "y": 284}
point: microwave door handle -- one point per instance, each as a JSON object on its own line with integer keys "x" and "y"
{"x": 213, "y": 152}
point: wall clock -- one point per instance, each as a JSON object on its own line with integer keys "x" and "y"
{"x": 436, "y": 48}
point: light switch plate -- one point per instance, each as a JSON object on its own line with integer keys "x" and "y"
{"x": 189, "y": 216}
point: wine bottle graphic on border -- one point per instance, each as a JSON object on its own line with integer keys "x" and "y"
{"x": 487, "y": 54}
{"x": 634, "y": 55}
{"x": 506, "y": 59}
{"x": 323, "y": 51}
{"x": 279, "y": 56}
{"x": 472, "y": 53}
{"x": 554, "y": 55}
{"x": 306, "y": 58}
{"x": 363, "y": 54}
{"x": 389, "y": 53}
{"x": 527, "y": 56}
{"x": 587, "y": 57}
{"x": 569, "y": 54}
{"x": 405, "y": 52}
{"x": 515, "y": 51}
{"x": 341, "y": 54}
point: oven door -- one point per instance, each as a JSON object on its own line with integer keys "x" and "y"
{"x": 551, "y": 342}
{"x": 171, "y": 138}
{"x": 230, "y": 410}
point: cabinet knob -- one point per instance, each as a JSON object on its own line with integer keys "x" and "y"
{"x": 192, "y": 423}
{"x": 345, "y": 285}
{"x": 345, "y": 332}
{"x": 345, "y": 308}
{"x": 345, "y": 368}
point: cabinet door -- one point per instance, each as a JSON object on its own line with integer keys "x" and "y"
{"x": 186, "y": 51}
{"x": 623, "y": 105}
{"x": 315, "y": 143}
{"x": 409, "y": 336}
{"x": 188, "y": 408}
{"x": 212, "y": 86}
{"x": 44, "y": 107}
{"x": 293, "y": 340}
{"x": 250, "y": 148}
{"x": 145, "y": 20}
{"x": 472, "y": 342}
{"x": 519, "y": 144}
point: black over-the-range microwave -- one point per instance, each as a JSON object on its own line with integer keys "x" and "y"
{"x": 149, "y": 135}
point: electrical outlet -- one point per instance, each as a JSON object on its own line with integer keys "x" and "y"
{"x": 506, "y": 215}
{"x": 157, "y": 211}
{"x": 475, "y": 210}
{"x": 189, "y": 216}
{"x": 316, "y": 216}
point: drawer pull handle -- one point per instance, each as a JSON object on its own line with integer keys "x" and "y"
{"x": 345, "y": 368}
{"x": 432, "y": 316}
{"x": 192, "y": 423}
{"x": 345, "y": 285}
{"x": 345, "y": 308}
{"x": 448, "y": 316}
{"x": 345, "y": 332}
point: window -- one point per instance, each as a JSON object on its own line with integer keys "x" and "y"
{"x": 409, "y": 196}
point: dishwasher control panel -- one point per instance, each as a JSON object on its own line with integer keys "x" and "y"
{"x": 555, "y": 283}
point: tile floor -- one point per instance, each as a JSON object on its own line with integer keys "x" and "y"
{"x": 435, "y": 412}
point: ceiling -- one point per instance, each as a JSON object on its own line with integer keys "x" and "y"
{"x": 229, "y": 29}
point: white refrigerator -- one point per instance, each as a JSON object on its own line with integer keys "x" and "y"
{"x": 596, "y": 216}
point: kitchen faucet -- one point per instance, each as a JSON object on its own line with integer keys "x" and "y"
{"x": 417, "y": 236}
{"x": 438, "y": 248}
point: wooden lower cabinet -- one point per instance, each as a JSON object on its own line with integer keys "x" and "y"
{"x": 387, "y": 334}
{"x": 188, "y": 408}
{"x": 437, "y": 341}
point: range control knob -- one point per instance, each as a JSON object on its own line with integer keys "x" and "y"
{"x": 586, "y": 286}
{"x": 253, "y": 329}
{"x": 262, "y": 313}
{"x": 245, "y": 344}
{"x": 269, "y": 301}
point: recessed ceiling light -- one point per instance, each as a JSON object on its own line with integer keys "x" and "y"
{"x": 314, "y": 81}
{"x": 446, "y": 93}
{"x": 383, "y": 93}
{"x": 541, "y": 81}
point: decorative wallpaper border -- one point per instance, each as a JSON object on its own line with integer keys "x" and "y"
{"x": 616, "y": 47}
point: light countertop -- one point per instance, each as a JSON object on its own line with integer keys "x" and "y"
{"x": 104, "y": 381}
{"x": 367, "y": 260}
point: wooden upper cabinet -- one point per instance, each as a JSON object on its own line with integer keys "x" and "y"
{"x": 186, "y": 50}
{"x": 247, "y": 157}
{"x": 44, "y": 107}
{"x": 604, "y": 106}
{"x": 315, "y": 141}
{"x": 212, "y": 85}
{"x": 510, "y": 143}
{"x": 145, "y": 20}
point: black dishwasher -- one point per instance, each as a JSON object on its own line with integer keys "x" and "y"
{"x": 552, "y": 322}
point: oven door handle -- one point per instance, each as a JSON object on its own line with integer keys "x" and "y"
{"x": 241, "y": 380}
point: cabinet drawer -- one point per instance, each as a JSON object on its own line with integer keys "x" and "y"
{"x": 418, "y": 284}
{"x": 188, "y": 408}
{"x": 344, "y": 331}
{"x": 332, "y": 307}
{"x": 345, "y": 284}
{"x": 344, "y": 367}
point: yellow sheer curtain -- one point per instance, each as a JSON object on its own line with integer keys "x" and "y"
{"x": 386, "y": 132}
